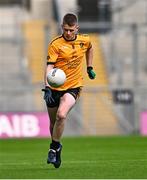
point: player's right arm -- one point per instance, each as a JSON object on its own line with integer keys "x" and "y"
{"x": 51, "y": 60}
{"x": 48, "y": 68}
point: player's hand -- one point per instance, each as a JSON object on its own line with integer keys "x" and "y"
{"x": 90, "y": 72}
{"x": 48, "y": 95}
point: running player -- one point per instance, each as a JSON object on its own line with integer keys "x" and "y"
{"x": 67, "y": 53}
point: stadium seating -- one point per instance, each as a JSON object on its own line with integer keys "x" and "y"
{"x": 98, "y": 114}
{"x": 35, "y": 48}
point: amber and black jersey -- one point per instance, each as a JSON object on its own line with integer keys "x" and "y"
{"x": 68, "y": 56}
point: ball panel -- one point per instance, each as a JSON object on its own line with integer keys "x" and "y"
{"x": 56, "y": 77}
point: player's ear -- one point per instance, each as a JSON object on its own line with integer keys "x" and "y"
{"x": 77, "y": 28}
{"x": 61, "y": 26}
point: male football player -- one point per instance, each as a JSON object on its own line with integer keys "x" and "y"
{"x": 67, "y": 53}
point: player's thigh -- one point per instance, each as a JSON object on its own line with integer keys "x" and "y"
{"x": 67, "y": 101}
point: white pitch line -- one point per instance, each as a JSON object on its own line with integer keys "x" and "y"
{"x": 71, "y": 162}
{"x": 32, "y": 163}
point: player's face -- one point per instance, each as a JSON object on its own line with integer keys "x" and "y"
{"x": 70, "y": 32}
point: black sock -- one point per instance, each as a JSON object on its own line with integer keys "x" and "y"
{"x": 55, "y": 145}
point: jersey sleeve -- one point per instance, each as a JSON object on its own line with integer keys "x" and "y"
{"x": 88, "y": 41}
{"x": 52, "y": 54}
{"x": 89, "y": 44}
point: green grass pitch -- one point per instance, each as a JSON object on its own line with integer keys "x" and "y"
{"x": 82, "y": 158}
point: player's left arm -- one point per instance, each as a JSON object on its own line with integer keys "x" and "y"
{"x": 89, "y": 59}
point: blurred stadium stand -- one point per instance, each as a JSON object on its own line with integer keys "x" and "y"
{"x": 118, "y": 32}
{"x": 97, "y": 13}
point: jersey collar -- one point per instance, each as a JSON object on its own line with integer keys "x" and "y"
{"x": 70, "y": 40}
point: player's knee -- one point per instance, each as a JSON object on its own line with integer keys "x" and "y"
{"x": 61, "y": 116}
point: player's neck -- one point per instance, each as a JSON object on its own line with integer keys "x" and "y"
{"x": 74, "y": 38}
